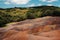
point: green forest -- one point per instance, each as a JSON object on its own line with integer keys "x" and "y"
{"x": 17, "y": 14}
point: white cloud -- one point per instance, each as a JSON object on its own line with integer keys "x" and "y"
{"x": 49, "y": 4}
{"x": 39, "y": 4}
{"x": 31, "y": 5}
{"x": 49, "y": 1}
{"x": 7, "y": 3}
{"x": 17, "y": 1}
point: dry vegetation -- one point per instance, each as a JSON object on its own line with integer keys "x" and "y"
{"x": 18, "y": 14}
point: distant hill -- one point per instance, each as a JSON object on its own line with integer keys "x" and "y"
{"x": 18, "y": 14}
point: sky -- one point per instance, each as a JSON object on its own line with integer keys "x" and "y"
{"x": 28, "y": 3}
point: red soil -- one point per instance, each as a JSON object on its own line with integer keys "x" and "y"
{"x": 46, "y": 28}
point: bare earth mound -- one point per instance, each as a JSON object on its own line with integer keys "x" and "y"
{"x": 46, "y": 28}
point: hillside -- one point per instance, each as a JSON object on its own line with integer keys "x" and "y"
{"x": 32, "y": 23}
{"x": 18, "y": 14}
{"x": 45, "y": 28}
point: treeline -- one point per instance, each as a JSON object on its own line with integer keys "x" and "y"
{"x": 18, "y": 14}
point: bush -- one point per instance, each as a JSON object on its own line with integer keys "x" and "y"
{"x": 18, "y": 14}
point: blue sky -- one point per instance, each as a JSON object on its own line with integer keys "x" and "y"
{"x": 27, "y": 3}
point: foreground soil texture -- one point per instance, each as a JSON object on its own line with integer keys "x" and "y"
{"x": 45, "y": 28}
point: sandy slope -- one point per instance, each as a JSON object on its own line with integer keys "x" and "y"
{"x": 46, "y": 28}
